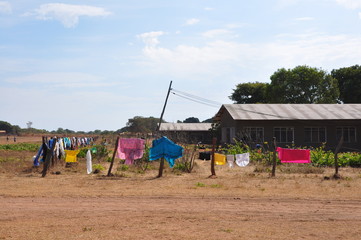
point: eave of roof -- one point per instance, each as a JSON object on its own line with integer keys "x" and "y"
{"x": 291, "y": 111}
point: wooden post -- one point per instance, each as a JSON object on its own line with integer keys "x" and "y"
{"x": 213, "y": 171}
{"x": 161, "y": 167}
{"x": 114, "y": 153}
{"x": 274, "y": 158}
{"x": 336, "y": 175}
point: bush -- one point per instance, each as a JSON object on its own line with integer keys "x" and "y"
{"x": 32, "y": 147}
{"x": 98, "y": 167}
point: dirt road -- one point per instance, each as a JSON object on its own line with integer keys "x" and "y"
{"x": 178, "y": 217}
{"x": 237, "y": 205}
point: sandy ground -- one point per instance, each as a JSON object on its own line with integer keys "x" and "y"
{"x": 238, "y": 204}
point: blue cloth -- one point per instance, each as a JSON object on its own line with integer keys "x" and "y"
{"x": 36, "y": 159}
{"x": 163, "y": 147}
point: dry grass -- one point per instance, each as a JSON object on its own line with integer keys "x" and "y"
{"x": 241, "y": 203}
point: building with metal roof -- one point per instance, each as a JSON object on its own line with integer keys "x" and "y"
{"x": 292, "y": 124}
{"x": 187, "y": 132}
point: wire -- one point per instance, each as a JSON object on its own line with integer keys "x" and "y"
{"x": 197, "y": 101}
{"x": 196, "y": 97}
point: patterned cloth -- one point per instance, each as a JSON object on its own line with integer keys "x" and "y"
{"x": 294, "y": 155}
{"x": 165, "y": 148}
{"x": 242, "y": 160}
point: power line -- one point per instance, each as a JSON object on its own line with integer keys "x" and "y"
{"x": 196, "y": 97}
{"x": 195, "y": 100}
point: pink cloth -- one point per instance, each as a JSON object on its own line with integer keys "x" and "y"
{"x": 130, "y": 149}
{"x": 294, "y": 155}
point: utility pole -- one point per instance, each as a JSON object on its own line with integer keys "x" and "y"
{"x": 165, "y": 104}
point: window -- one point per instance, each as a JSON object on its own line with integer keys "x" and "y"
{"x": 284, "y": 134}
{"x": 348, "y": 133}
{"x": 254, "y": 134}
{"x": 315, "y": 134}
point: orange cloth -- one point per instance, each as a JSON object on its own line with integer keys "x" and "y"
{"x": 71, "y": 155}
{"x": 219, "y": 159}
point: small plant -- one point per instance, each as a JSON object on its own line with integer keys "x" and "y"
{"x": 98, "y": 167}
{"x": 186, "y": 162}
{"x": 199, "y": 184}
{"x": 123, "y": 167}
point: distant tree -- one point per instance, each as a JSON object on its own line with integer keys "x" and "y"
{"x": 209, "y": 120}
{"x": 302, "y": 84}
{"x": 123, "y": 129}
{"x": 6, "y": 126}
{"x": 68, "y": 131}
{"x": 191, "y": 120}
{"x": 60, "y": 131}
{"x": 250, "y": 93}
{"x": 349, "y": 83}
{"x": 142, "y": 124}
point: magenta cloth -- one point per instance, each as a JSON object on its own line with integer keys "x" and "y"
{"x": 130, "y": 149}
{"x": 294, "y": 155}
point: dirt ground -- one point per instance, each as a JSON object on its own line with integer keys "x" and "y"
{"x": 239, "y": 204}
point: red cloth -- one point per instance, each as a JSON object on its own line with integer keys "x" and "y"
{"x": 294, "y": 155}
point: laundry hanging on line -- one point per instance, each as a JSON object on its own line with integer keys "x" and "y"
{"x": 130, "y": 149}
{"x": 294, "y": 155}
{"x": 230, "y": 160}
{"x": 89, "y": 167}
{"x": 219, "y": 159}
{"x": 70, "y": 155}
{"x": 165, "y": 148}
{"x": 242, "y": 159}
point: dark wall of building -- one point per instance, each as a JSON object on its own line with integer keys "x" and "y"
{"x": 299, "y": 131}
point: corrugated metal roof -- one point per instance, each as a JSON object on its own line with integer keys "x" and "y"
{"x": 185, "y": 126}
{"x": 292, "y": 111}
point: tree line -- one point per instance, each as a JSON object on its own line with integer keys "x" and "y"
{"x": 303, "y": 84}
{"x": 136, "y": 124}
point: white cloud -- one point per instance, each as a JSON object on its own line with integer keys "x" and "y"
{"x": 352, "y": 4}
{"x": 151, "y": 38}
{"x": 5, "y": 7}
{"x": 192, "y": 21}
{"x": 229, "y": 58}
{"x": 67, "y": 14}
{"x": 208, "y": 9}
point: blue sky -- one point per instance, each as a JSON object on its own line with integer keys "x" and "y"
{"x": 86, "y": 65}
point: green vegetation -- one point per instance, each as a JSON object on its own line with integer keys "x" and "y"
{"x": 21, "y": 147}
{"x": 98, "y": 167}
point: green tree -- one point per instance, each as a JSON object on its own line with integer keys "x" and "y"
{"x": 6, "y": 126}
{"x": 142, "y": 124}
{"x": 302, "y": 84}
{"x": 250, "y": 93}
{"x": 209, "y": 120}
{"x": 349, "y": 83}
{"x": 191, "y": 120}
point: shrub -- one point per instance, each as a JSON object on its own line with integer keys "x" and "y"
{"x": 33, "y": 147}
{"x": 98, "y": 167}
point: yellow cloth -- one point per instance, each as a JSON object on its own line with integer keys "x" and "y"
{"x": 219, "y": 159}
{"x": 71, "y": 155}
